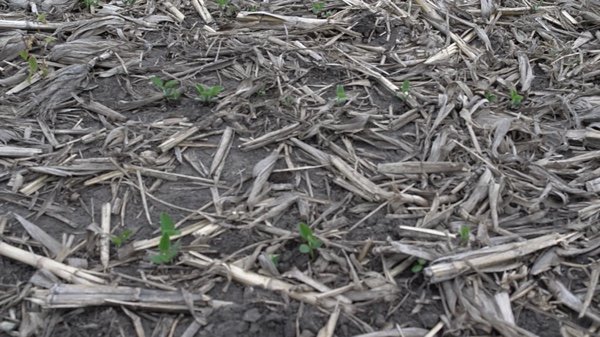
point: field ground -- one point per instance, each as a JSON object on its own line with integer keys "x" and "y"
{"x": 157, "y": 160}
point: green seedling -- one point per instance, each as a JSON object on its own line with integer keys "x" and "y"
{"x": 207, "y": 94}
{"x": 489, "y": 96}
{"x": 223, "y": 4}
{"x": 340, "y": 94}
{"x": 288, "y": 101}
{"x": 405, "y": 87}
{"x": 465, "y": 233}
{"x": 32, "y": 64}
{"x": 404, "y": 90}
{"x": 119, "y": 239}
{"x": 311, "y": 242}
{"x": 515, "y": 98}
{"x": 167, "y": 249}
{"x": 41, "y": 17}
{"x": 318, "y": 7}
{"x": 48, "y": 40}
{"x": 169, "y": 88}
{"x": 90, "y": 3}
{"x": 274, "y": 258}
{"x": 418, "y": 266}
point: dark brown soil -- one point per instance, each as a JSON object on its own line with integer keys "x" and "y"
{"x": 288, "y": 84}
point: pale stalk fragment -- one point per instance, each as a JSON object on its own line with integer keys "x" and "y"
{"x": 290, "y": 21}
{"x": 300, "y": 276}
{"x": 593, "y": 284}
{"x": 177, "y": 138}
{"x": 105, "y": 235}
{"x": 68, "y": 273}
{"x": 16, "y": 151}
{"x": 329, "y": 328}
{"x": 256, "y": 280}
{"x": 78, "y": 296}
{"x": 570, "y": 300}
{"x": 487, "y": 257}
{"x": 421, "y": 167}
{"x": 174, "y": 10}
{"x": 41, "y": 236}
{"x": 433, "y": 332}
{"x": 397, "y": 332}
{"x": 137, "y": 322}
{"x": 200, "y": 228}
{"x": 219, "y": 160}
{"x": 200, "y": 7}
{"x": 261, "y": 172}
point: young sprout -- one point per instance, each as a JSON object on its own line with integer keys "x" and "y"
{"x": 489, "y": 96}
{"x": 340, "y": 94}
{"x": 41, "y": 17}
{"x": 418, "y": 266}
{"x": 167, "y": 249}
{"x": 404, "y": 90}
{"x": 515, "y": 98}
{"x": 119, "y": 239}
{"x": 405, "y": 87}
{"x": 90, "y": 3}
{"x": 465, "y": 234}
{"x": 317, "y": 7}
{"x": 287, "y": 101}
{"x": 32, "y": 63}
{"x": 311, "y": 242}
{"x": 206, "y": 94}
{"x": 169, "y": 88}
{"x": 223, "y": 4}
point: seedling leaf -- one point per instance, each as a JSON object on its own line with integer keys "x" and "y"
{"x": 24, "y": 54}
{"x": 165, "y": 243}
{"x": 167, "y": 250}
{"x": 89, "y": 3}
{"x": 305, "y": 249}
{"x": 317, "y": 7}
{"x": 490, "y": 97}
{"x": 33, "y": 65}
{"x": 418, "y": 266}
{"x": 305, "y": 231}
{"x": 515, "y": 98}
{"x": 119, "y": 240}
{"x": 167, "y": 226}
{"x": 171, "y": 84}
{"x": 314, "y": 242}
{"x": 311, "y": 241}
{"x": 340, "y": 94}
{"x": 161, "y": 258}
{"x": 157, "y": 259}
{"x": 157, "y": 81}
{"x": 464, "y": 233}
{"x": 206, "y": 93}
{"x": 405, "y": 87}
{"x": 222, "y": 3}
{"x": 41, "y": 17}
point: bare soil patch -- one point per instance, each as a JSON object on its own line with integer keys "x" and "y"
{"x": 444, "y": 155}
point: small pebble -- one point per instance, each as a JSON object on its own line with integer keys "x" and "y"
{"x": 252, "y": 315}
